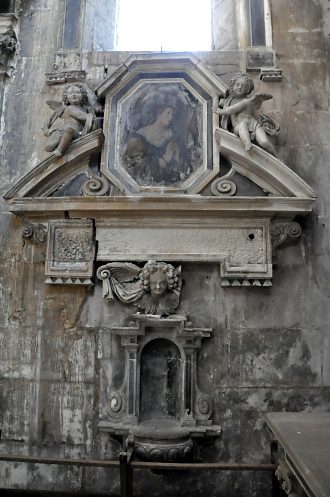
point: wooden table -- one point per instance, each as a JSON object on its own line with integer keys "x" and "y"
{"x": 304, "y": 452}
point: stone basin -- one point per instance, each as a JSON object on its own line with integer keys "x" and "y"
{"x": 162, "y": 440}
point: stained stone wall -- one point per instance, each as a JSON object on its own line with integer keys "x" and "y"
{"x": 270, "y": 346}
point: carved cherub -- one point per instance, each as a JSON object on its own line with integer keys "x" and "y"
{"x": 240, "y": 109}
{"x": 77, "y": 119}
{"x": 155, "y": 288}
{"x": 8, "y": 44}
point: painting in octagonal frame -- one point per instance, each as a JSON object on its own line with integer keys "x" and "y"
{"x": 159, "y": 133}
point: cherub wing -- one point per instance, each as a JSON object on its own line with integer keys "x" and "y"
{"x": 178, "y": 278}
{"x": 124, "y": 272}
{"x": 121, "y": 279}
{"x": 54, "y": 104}
{"x": 58, "y": 109}
{"x": 259, "y": 98}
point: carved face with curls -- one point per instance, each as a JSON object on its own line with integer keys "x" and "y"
{"x": 241, "y": 85}
{"x": 75, "y": 95}
{"x": 158, "y": 278}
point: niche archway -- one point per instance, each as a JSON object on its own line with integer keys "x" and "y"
{"x": 161, "y": 381}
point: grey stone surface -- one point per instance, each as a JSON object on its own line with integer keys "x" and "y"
{"x": 270, "y": 347}
{"x": 224, "y": 33}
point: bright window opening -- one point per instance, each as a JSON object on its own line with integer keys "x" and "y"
{"x": 164, "y": 25}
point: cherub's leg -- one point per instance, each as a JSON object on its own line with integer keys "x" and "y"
{"x": 264, "y": 142}
{"x": 53, "y": 141}
{"x": 244, "y": 135}
{"x": 65, "y": 141}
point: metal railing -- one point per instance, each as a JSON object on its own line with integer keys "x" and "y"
{"x": 127, "y": 465}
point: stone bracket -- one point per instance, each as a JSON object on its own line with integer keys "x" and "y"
{"x": 35, "y": 233}
{"x": 270, "y": 75}
{"x": 69, "y": 76}
{"x": 284, "y": 233}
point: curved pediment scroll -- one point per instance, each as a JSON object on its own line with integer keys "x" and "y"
{"x": 50, "y": 174}
{"x": 262, "y": 168}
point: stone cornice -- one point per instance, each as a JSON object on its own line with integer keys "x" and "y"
{"x": 160, "y": 206}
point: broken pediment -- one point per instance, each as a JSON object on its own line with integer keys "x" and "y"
{"x": 163, "y": 181}
{"x": 51, "y": 174}
{"x": 262, "y": 168}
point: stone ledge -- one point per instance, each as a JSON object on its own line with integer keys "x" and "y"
{"x": 160, "y": 207}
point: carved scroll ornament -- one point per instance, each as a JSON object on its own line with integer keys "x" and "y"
{"x": 96, "y": 186}
{"x": 155, "y": 288}
{"x": 35, "y": 233}
{"x": 223, "y": 187}
{"x": 285, "y": 233}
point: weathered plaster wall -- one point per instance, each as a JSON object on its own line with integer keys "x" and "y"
{"x": 270, "y": 347}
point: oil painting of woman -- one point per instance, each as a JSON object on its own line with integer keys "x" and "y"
{"x": 164, "y": 149}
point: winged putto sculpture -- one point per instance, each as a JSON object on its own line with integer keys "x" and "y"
{"x": 155, "y": 288}
{"x": 76, "y": 118}
{"x": 239, "y": 113}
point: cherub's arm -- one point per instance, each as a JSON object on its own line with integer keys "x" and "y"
{"x": 58, "y": 109}
{"x": 235, "y": 108}
{"x": 79, "y": 114}
{"x": 221, "y": 104}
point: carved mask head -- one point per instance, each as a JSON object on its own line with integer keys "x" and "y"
{"x": 158, "y": 284}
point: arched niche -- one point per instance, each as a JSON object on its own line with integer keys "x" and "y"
{"x": 160, "y": 380}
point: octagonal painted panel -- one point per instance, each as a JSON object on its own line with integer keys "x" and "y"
{"x": 159, "y": 129}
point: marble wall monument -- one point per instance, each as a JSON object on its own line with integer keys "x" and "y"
{"x": 164, "y": 257}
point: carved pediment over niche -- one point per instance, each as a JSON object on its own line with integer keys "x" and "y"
{"x": 221, "y": 203}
